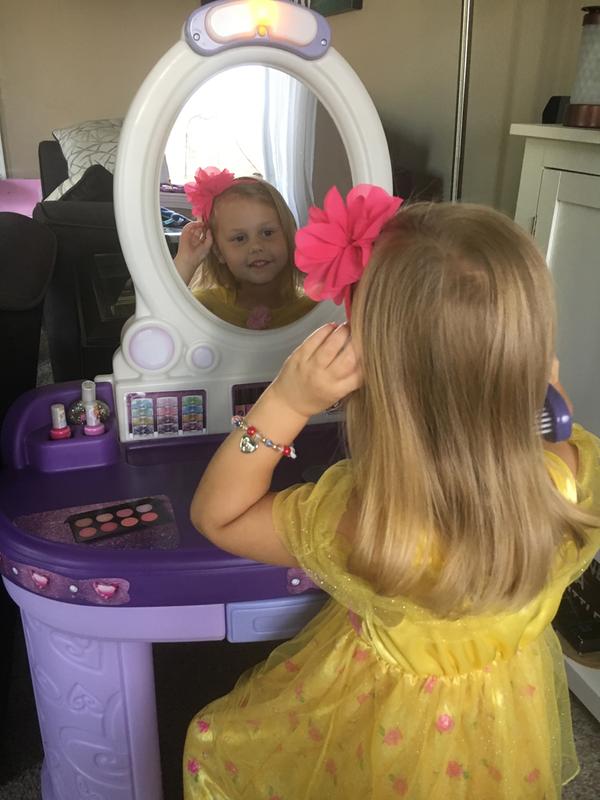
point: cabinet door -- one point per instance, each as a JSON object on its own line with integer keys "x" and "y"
{"x": 568, "y": 231}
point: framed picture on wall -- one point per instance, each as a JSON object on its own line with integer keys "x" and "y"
{"x": 328, "y": 7}
{"x": 325, "y": 7}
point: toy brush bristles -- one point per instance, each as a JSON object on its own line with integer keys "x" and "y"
{"x": 554, "y": 420}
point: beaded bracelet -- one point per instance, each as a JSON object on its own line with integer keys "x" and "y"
{"x": 252, "y": 438}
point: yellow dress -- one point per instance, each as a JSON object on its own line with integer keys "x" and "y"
{"x": 221, "y": 302}
{"x": 376, "y": 698}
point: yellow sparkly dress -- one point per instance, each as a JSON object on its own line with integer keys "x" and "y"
{"x": 221, "y": 301}
{"x": 376, "y": 698}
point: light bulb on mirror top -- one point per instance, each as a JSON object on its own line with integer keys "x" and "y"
{"x": 584, "y": 107}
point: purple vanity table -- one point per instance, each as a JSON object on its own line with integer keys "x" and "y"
{"x": 92, "y": 607}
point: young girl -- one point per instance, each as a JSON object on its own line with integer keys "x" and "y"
{"x": 243, "y": 243}
{"x": 445, "y": 541}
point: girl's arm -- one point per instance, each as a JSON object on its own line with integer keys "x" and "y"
{"x": 194, "y": 245}
{"x": 232, "y": 505}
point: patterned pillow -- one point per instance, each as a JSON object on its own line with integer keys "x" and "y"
{"x": 92, "y": 142}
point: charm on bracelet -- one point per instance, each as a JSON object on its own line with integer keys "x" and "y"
{"x": 251, "y": 439}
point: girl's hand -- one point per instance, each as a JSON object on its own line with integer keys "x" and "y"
{"x": 321, "y": 371}
{"x": 194, "y": 245}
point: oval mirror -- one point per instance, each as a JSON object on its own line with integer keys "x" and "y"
{"x": 274, "y": 129}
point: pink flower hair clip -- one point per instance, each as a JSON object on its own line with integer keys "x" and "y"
{"x": 207, "y": 184}
{"x": 335, "y": 246}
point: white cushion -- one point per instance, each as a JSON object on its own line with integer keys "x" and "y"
{"x": 92, "y": 142}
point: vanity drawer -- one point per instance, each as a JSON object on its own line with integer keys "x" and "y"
{"x": 265, "y": 620}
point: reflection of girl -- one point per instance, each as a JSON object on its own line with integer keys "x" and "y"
{"x": 446, "y": 541}
{"x": 243, "y": 244}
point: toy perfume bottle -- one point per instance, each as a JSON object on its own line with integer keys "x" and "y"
{"x": 77, "y": 410}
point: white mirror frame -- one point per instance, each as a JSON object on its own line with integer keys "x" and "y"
{"x": 162, "y": 300}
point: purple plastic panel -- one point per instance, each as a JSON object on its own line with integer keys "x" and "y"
{"x": 81, "y": 451}
{"x": 189, "y": 571}
{"x": 26, "y": 427}
{"x": 199, "y": 40}
{"x": 266, "y": 620}
{"x": 188, "y": 623}
{"x": 93, "y": 679}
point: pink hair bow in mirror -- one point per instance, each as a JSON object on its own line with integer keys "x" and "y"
{"x": 207, "y": 184}
{"x": 334, "y": 247}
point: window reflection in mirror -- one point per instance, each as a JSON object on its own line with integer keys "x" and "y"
{"x": 262, "y": 123}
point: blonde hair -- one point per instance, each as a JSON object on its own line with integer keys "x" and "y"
{"x": 214, "y": 273}
{"x": 454, "y": 318}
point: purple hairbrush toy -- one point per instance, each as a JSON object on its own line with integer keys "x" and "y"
{"x": 554, "y": 421}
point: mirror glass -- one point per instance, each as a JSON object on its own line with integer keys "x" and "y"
{"x": 259, "y": 122}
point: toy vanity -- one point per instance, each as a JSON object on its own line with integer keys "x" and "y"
{"x": 95, "y": 541}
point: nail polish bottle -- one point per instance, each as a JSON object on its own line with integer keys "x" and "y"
{"x": 93, "y": 426}
{"x": 59, "y": 429}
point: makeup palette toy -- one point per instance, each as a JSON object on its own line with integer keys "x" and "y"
{"x": 96, "y": 546}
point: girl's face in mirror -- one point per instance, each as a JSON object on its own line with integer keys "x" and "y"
{"x": 250, "y": 240}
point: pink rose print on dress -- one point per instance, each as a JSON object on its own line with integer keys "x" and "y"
{"x": 314, "y": 733}
{"x": 231, "y": 768}
{"x": 493, "y": 772}
{"x": 399, "y": 785}
{"x": 454, "y": 769}
{"x": 429, "y": 684}
{"x": 193, "y": 766}
{"x": 291, "y": 666}
{"x": 203, "y": 725}
{"x": 533, "y": 776}
{"x": 360, "y": 755}
{"x": 299, "y": 692}
{"x": 294, "y": 719}
{"x": 529, "y": 690}
{"x": 259, "y": 318}
{"x": 355, "y": 621}
{"x": 392, "y": 737}
{"x": 330, "y": 767}
{"x": 360, "y": 655}
{"x": 444, "y": 723}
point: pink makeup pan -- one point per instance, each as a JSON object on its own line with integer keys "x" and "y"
{"x": 117, "y": 519}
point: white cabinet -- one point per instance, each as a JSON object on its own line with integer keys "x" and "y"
{"x": 559, "y": 202}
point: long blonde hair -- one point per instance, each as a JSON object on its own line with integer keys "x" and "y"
{"x": 214, "y": 273}
{"x": 454, "y": 319}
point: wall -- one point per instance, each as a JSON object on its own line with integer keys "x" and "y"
{"x": 64, "y": 61}
{"x": 406, "y": 52}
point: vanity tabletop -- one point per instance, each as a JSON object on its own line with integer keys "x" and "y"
{"x": 112, "y": 525}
